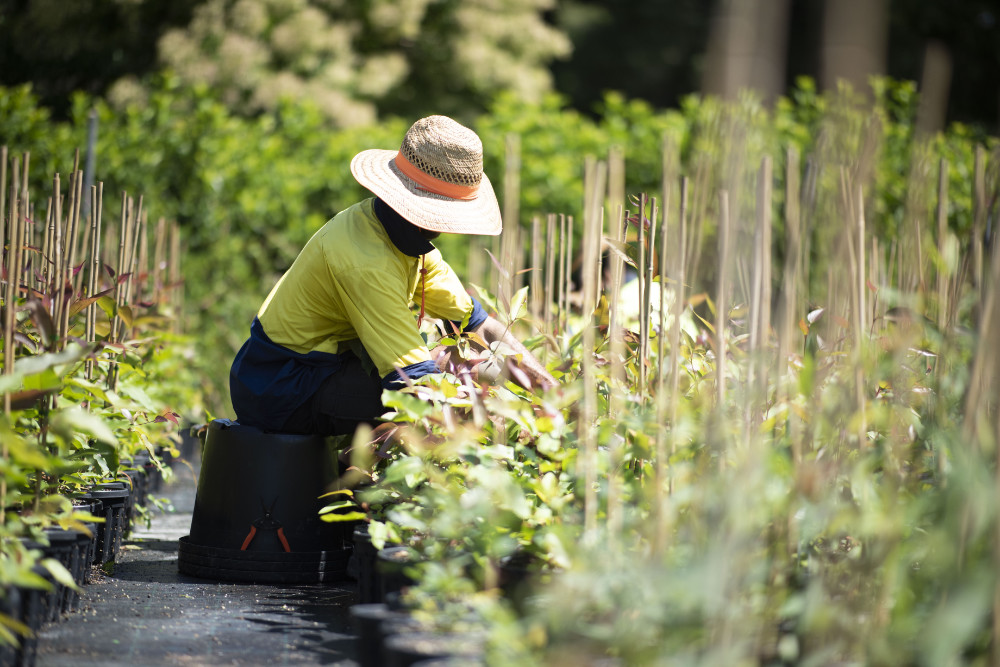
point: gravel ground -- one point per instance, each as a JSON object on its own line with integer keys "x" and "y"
{"x": 146, "y": 613}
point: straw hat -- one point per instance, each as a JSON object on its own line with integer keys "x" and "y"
{"x": 435, "y": 180}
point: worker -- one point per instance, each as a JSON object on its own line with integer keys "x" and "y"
{"x": 337, "y": 328}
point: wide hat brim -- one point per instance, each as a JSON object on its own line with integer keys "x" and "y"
{"x": 376, "y": 170}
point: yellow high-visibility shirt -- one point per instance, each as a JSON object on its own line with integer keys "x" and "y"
{"x": 351, "y": 282}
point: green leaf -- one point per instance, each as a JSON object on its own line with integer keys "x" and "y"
{"x": 60, "y": 573}
{"x": 107, "y": 304}
{"x": 78, "y": 419}
{"x": 350, "y": 516}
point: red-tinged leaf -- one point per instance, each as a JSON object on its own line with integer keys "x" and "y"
{"x": 79, "y": 267}
{"x": 519, "y": 376}
{"x": 172, "y": 417}
{"x": 111, "y": 271}
{"x": 123, "y": 277}
{"x": 146, "y": 304}
{"x": 159, "y": 419}
{"x": 83, "y": 303}
{"x": 803, "y": 327}
{"x": 42, "y": 319}
{"x": 841, "y": 322}
{"x": 870, "y": 286}
{"x": 23, "y": 400}
{"x": 496, "y": 263}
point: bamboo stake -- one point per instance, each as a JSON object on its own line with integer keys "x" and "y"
{"x": 660, "y": 535}
{"x": 641, "y": 279}
{"x": 138, "y": 224}
{"x": 979, "y": 220}
{"x": 790, "y": 307}
{"x": 8, "y": 337}
{"x": 647, "y": 293}
{"x": 10, "y": 344}
{"x": 722, "y": 303}
{"x": 46, "y": 272}
{"x": 561, "y": 300}
{"x": 3, "y": 194}
{"x": 176, "y": 284}
{"x": 567, "y": 288}
{"x": 535, "y": 285}
{"x": 56, "y": 259}
{"x": 550, "y": 270}
{"x": 116, "y": 323}
{"x": 96, "y": 201}
{"x": 594, "y": 186}
{"x": 942, "y": 228}
{"x": 159, "y": 261}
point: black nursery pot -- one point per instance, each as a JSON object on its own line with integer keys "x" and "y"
{"x": 10, "y": 606}
{"x": 115, "y": 500}
{"x": 68, "y": 547}
{"x": 95, "y": 508}
{"x": 411, "y": 648}
{"x": 391, "y": 565}
{"x": 366, "y": 555}
{"x": 369, "y": 622}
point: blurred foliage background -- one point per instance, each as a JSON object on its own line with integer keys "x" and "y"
{"x": 238, "y": 118}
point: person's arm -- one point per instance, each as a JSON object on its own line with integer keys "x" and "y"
{"x": 492, "y": 331}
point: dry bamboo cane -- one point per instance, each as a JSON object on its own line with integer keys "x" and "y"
{"x": 511, "y": 199}
{"x": 790, "y": 286}
{"x": 10, "y": 298}
{"x": 660, "y": 495}
{"x": 567, "y": 288}
{"x": 647, "y": 293}
{"x": 138, "y": 224}
{"x": 561, "y": 300}
{"x": 56, "y": 258}
{"x": 4, "y": 453}
{"x": 70, "y": 260}
{"x": 126, "y": 211}
{"x": 761, "y": 286}
{"x": 46, "y": 271}
{"x": 979, "y": 220}
{"x": 96, "y": 196}
{"x": 942, "y": 228}
{"x": 176, "y": 284}
{"x": 72, "y": 240}
{"x": 159, "y": 253}
{"x": 3, "y": 195}
{"x": 550, "y": 272}
{"x": 722, "y": 303}
{"x": 536, "y": 274}
{"x": 641, "y": 280}
{"x": 593, "y": 185}
{"x": 678, "y": 308}
{"x": 861, "y": 315}
{"x": 16, "y": 223}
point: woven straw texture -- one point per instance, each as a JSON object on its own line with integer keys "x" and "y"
{"x": 447, "y": 151}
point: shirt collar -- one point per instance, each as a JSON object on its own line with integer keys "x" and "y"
{"x": 403, "y": 234}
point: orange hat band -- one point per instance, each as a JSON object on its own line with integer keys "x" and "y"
{"x": 428, "y": 183}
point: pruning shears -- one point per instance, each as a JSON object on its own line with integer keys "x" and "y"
{"x": 266, "y": 522}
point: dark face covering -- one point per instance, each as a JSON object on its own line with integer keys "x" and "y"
{"x": 410, "y": 239}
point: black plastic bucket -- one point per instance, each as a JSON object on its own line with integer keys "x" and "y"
{"x": 256, "y": 512}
